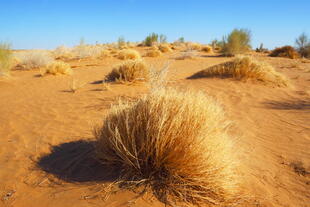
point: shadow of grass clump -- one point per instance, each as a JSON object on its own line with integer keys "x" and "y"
{"x": 76, "y": 162}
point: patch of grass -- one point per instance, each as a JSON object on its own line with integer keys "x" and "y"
{"x": 129, "y": 71}
{"x": 164, "y": 48}
{"x": 237, "y": 42}
{"x": 6, "y": 59}
{"x": 151, "y": 39}
{"x": 33, "y": 59}
{"x": 174, "y": 144}
{"x": 285, "y": 51}
{"x": 126, "y": 54}
{"x": 193, "y": 46}
{"x": 188, "y": 54}
{"x": 153, "y": 53}
{"x": 56, "y": 68}
{"x": 245, "y": 68}
{"x": 63, "y": 53}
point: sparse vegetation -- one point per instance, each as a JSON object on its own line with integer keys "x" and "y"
{"x": 206, "y": 48}
{"x": 126, "y": 54}
{"x": 303, "y": 45}
{"x": 193, "y": 46}
{"x": 33, "y": 59}
{"x": 63, "y": 52}
{"x": 151, "y": 39}
{"x": 57, "y": 67}
{"x": 121, "y": 43}
{"x": 245, "y": 68}
{"x": 188, "y": 54}
{"x": 129, "y": 71}
{"x": 6, "y": 59}
{"x": 237, "y": 42}
{"x": 261, "y": 49}
{"x": 85, "y": 51}
{"x": 153, "y": 53}
{"x": 173, "y": 143}
{"x": 164, "y": 48}
{"x": 285, "y": 51}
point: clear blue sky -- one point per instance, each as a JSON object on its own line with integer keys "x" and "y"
{"x": 46, "y": 24}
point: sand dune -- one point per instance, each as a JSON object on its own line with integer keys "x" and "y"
{"x": 42, "y": 122}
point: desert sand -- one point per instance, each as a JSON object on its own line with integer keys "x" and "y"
{"x": 46, "y": 132}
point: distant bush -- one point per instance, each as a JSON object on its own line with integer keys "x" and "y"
{"x": 121, "y": 42}
{"x": 151, "y": 39}
{"x": 237, "y": 42}
{"x": 163, "y": 38}
{"x": 6, "y": 59}
{"x": 33, "y": 59}
{"x": 193, "y": 46}
{"x": 126, "y": 54}
{"x": 261, "y": 49}
{"x": 84, "y": 51}
{"x": 245, "y": 68}
{"x": 188, "y": 54}
{"x": 303, "y": 45}
{"x": 62, "y": 52}
{"x": 129, "y": 71}
{"x": 56, "y": 68}
{"x": 285, "y": 51}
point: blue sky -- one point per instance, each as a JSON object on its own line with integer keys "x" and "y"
{"x": 46, "y": 24}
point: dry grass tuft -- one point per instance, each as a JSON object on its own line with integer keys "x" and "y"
{"x": 56, "y": 68}
{"x": 129, "y": 71}
{"x": 206, "y": 48}
{"x": 286, "y": 51}
{"x": 188, "y": 54}
{"x": 173, "y": 143}
{"x": 6, "y": 59}
{"x": 63, "y": 53}
{"x": 153, "y": 53}
{"x": 33, "y": 59}
{"x": 131, "y": 54}
{"x": 164, "y": 48}
{"x": 193, "y": 46}
{"x": 246, "y": 68}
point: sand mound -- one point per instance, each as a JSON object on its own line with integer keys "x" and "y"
{"x": 173, "y": 142}
{"x": 245, "y": 68}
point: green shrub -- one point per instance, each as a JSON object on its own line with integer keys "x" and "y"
{"x": 237, "y": 42}
{"x": 6, "y": 59}
{"x": 151, "y": 39}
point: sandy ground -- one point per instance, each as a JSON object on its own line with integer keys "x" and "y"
{"x": 42, "y": 122}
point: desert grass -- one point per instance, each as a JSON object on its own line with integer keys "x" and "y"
{"x": 87, "y": 51}
{"x": 193, "y": 46}
{"x": 164, "y": 48}
{"x": 129, "y": 71}
{"x": 206, "y": 48}
{"x": 33, "y": 59}
{"x": 127, "y": 54}
{"x": 246, "y": 68}
{"x": 153, "y": 53}
{"x": 6, "y": 59}
{"x": 63, "y": 53}
{"x": 188, "y": 54}
{"x": 57, "y": 67}
{"x": 174, "y": 144}
{"x": 285, "y": 51}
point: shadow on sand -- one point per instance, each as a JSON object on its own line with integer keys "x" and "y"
{"x": 298, "y": 104}
{"x": 76, "y": 162}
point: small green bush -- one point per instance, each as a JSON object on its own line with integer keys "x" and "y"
{"x": 151, "y": 39}
{"x": 6, "y": 59}
{"x": 237, "y": 42}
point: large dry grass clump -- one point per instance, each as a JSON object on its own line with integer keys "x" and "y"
{"x": 286, "y": 51}
{"x": 129, "y": 71}
{"x": 126, "y": 54}
{"x": 174, "y": 143}
{"x": 57, "y": 67}
{"x": 164, "y": 48}
{"x": 153, "y": 53}
{"x": 206, "y": 48}
{"x": 245, "y": 68}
